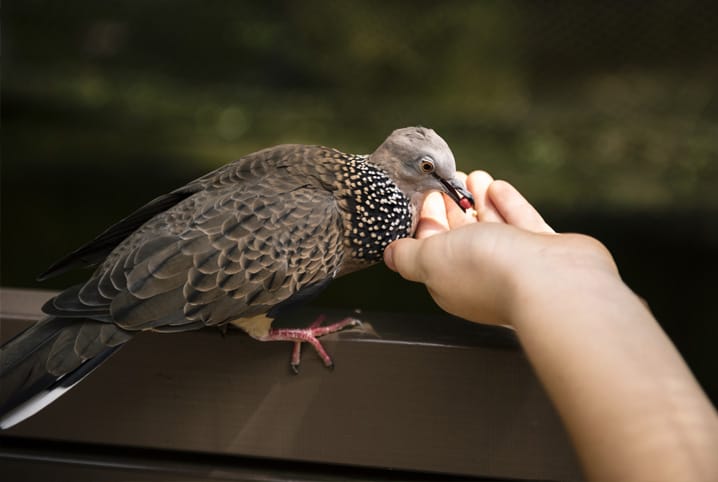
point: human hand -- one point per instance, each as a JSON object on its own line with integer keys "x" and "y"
{"x": 479, "y": 267}
{"x": 629, "y": 402}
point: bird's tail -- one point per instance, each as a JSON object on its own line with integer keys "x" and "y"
{"x": 46, "y": 360}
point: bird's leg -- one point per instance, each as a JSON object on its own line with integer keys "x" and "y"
{"x": 309, "y": 335}
{"x": 297, "y": 351}
{"x": 318, "y": 322}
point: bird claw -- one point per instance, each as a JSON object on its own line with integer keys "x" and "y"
{"x": 310, "y": 335}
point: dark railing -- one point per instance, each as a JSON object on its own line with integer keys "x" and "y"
{"x": 410, "y": 396}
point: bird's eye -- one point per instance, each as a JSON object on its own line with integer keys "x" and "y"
{"x": 426, "y": 166}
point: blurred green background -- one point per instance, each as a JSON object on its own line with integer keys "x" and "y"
{"x": 604, "y": 114}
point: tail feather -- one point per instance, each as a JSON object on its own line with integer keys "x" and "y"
{"x": 49, "y": 358}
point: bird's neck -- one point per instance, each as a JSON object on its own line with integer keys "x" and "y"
{"x": 375, "y": 211}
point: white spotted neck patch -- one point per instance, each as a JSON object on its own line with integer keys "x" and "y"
{"x": 379, "y": 212}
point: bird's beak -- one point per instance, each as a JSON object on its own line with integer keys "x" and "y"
{"x": 456, "y": 191}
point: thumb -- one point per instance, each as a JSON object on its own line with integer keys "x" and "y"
{"x": 402, "y": 256}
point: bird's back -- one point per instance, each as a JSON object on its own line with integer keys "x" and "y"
{"x": 251, "y": 235}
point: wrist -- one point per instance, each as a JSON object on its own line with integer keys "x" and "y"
{"x": 561, "y": 277}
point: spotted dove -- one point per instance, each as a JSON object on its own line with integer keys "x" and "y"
{"x": 236, "y": 246}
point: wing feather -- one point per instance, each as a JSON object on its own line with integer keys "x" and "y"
{"x": 229, "y": 249}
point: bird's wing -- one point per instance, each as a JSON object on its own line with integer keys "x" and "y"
{"x": 227, "y": 252}
{"x": 243, "y": 170}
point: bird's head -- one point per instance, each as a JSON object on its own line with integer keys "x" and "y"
{"x": 419, "y": 161}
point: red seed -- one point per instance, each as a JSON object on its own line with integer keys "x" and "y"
{"x": 465, "y": 203}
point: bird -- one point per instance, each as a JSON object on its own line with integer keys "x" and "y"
{"x": 234, "y": 247}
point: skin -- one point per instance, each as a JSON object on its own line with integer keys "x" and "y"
{"x": 629, "y": 402}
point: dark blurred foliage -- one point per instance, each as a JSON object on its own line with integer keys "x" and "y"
{"x": 604, "y": 114}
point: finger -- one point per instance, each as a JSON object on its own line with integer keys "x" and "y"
{"x": 402, "y": 256}
{"x": 478, "y": 183}
{"x": 515, "y": 209}
{"x": 433, "y": 216}
{"x": 456, "y": 215}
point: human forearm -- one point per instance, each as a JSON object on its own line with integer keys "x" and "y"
{"x": 632, "y": 407}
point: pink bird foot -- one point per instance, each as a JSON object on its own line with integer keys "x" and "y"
{"x": 309, "y": 335}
